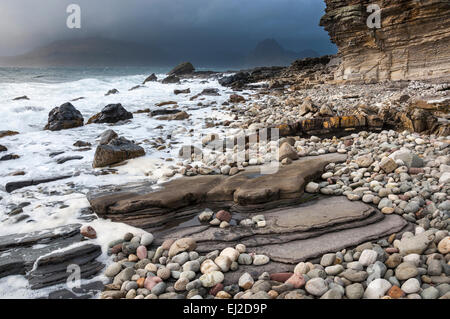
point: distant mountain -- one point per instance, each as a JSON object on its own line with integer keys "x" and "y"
{"x": 91, "y": 52}
{"x": 270, "y": 53}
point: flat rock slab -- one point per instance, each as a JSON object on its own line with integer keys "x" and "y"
{"x": 297, "y": 251}
{"x": 283, "y": 224}
{"x": 139, "y": 207}
{"x": 44, "y": 256}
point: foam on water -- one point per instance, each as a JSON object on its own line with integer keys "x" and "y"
{"x": 60, "y": 203}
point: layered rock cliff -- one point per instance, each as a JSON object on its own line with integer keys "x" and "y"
{"x": 413, "y": 42}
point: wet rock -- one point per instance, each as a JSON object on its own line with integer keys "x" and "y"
{"x": 64, "y": 117}
{"x": 182, "y": 69}
{"x": 151, "y": 78}
{"x": 107, "y": 136}
{"x": 185, "y": 91}
{"x": 112, "y": 113}
{"x": 8, "y": 133}
{"x": 12, "y": 186}
{"x": 111, "y": 92}
{"x": 116, "y": 151}
{"x": 88, "y": 232}
{"x": 171, "y": 79}
{"x": 20, "y": 98}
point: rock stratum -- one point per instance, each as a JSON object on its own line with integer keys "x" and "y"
{"x": 413, "y": 42}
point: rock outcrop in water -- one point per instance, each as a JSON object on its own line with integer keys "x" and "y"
{"x": 64, "y": 117}
{"x": 111, "y": 113}
{"x": 182, "y": 69}
{"x": 115, "y": 151}
{"x": 413, "y": 42}
{"x": 46, "y": 265}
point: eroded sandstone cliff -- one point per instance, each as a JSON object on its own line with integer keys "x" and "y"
{"x": 413, "y": 42}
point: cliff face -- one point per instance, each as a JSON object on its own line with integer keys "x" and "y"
{"x": 413, "y": 42}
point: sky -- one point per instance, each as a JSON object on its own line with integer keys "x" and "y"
{"x": 188, "y": 26}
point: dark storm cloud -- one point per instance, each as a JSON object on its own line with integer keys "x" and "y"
{"x": 190, "y": 26}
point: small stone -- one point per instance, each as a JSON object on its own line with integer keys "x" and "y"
{"x": 224, "y": 263}
{"x": 141, "y": 252}
{"x": 396, "y": 293}
{"x": 241, "y": 248}
{"x": 206, "y": 215}
{"x": 405, "y": 271}
{"x": 208, "y": 266}
{"x": 231, "y": 253}
{"x": 159, "y": 288}
{"x": 151, "y": 282}
{"x": 246, "y": 281}
{"x": 327, "y": 260}
{"x": 377, "y": 289}
{"x": 297, "y": 281}
{"x": 245, "y": 259}
{"x": 180, "y": 284}
{"x": 316, "y": 286}
{"x": 393, "y": 260}
{"x": 163, "y": 273}
{"x": 301, "y": 269}
{"x": 88, "y": 232}
{"x": 312, "y": 187}
{"x": 430, "y": 293}
{"x": 368, "y": 257}
{"x": 211, "y": 279}
{"x": 224, "y": 224}
{"x": 181, "y": 245}
{"x": 444, "y": 246}
{"x": 113, "y": 269}
{"x": 151, "y": 268}
{"x": 146, "y": 239}
{"x": 259, "y": 260}
{"x": 223, "y": 215}
{"x": 411, "y": 286}
{"x": 354, "y": 291}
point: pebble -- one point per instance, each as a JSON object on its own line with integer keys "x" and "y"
{"x": 411, "y": 286}
{"x": 113, "y": 269}
{"x": 316, "y": 286}
{"x": 259, "y": 260}
{"x": 377, "y": 289}
{"x": 405, "y": 271}
{"x": 368, "y": 257}
{"x": 146, "y": 239}
{"x": 354, "y": 291}
{"x": 211, "y": 279}
{"x": 246, "y": 281}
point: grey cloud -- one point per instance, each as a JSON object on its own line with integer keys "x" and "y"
{"x": 191, "y": 26}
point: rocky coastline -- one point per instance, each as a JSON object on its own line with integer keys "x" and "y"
{"x": 307, "y": 183}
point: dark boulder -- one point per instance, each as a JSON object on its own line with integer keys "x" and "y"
{"x": 117, "y": 150}
{"x": 171, "y": 79}
{"x": 12, "y": 186}
{"x": 112, "y": 113}
{"x": 64, "y": 117}
{"x": 107, "y": 136}
{"x": 8, "y": 133}
{"x": 210, "y": 92}
{"x": 113, "y": 91}
{"x": 186, "y": 91}
{"x": 182, "y": 69}
{"x": 21, "y": 98}
{"x": 164, "y": 112}
{"x": 151, "y": 78}
{"x": 3, "y": 148}
{"x": 9, "y": 157}
{"x": 62, "y": 160}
